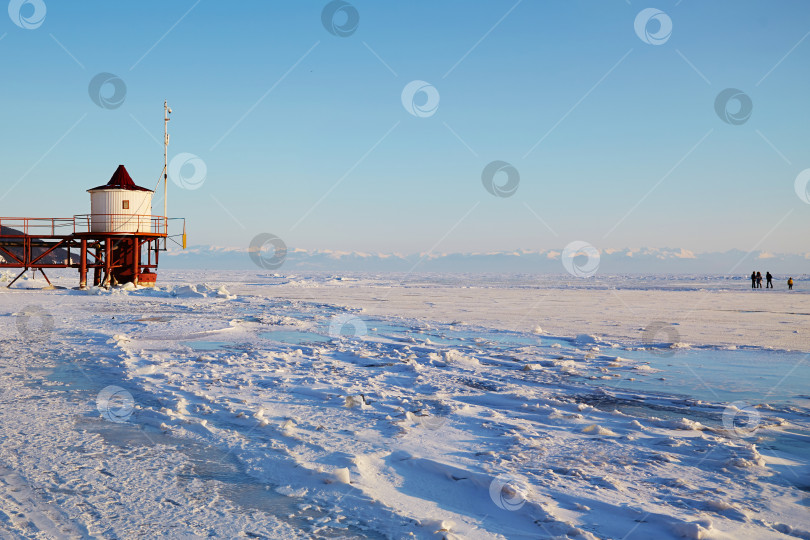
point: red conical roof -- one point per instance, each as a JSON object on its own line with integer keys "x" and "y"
{"x": 120, "y": 180}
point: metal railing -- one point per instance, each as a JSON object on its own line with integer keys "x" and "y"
{"x": 39, "y": 226}
{"x": 89, "y": 223}
{"x": 120, "y": 223}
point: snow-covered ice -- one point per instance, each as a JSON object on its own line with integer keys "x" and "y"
{"x": 288, "y": 406}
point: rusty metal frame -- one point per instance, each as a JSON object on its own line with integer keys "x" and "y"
{"x": 96, "y": 249}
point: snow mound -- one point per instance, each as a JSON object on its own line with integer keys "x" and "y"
{"x": 693, "y": 531}
{"x": 201, "y": 291}
{"x": 586, "y": 339}
{"x": 455, "y": 357}
{"x": 342, "y": 476}
{"x": 644, "y": 368}
{"x": 680, "y": 345}
{"x": 596, "y": 429}
{"x": 682, "y": 424}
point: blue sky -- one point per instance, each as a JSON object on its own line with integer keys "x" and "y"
{"x": 304, "y": 135}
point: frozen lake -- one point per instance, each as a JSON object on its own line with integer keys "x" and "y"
{"x": 386, "y": 406}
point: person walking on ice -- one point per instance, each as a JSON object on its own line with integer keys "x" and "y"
{"x": 768, "y": 280}
{"x": 759, "y": 280}
{"x": 753, "y": 280}
{"x": 790, "y": 284}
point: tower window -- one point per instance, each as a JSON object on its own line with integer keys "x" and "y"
{"x": 126, "y": 205}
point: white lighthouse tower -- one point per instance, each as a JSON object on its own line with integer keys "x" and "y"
{"x": 121, "y": 206}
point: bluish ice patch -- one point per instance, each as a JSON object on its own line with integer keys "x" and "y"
{"x": 458, "y": 336}
{"x": 753, "y": 376}
{"x": 295, "y": 337}
{"x": 208, "y": 345}
{"x": 386, "y": 329}
{"x": 439, "y": 339}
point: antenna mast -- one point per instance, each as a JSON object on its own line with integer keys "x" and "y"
{"x": 166, "y": 112}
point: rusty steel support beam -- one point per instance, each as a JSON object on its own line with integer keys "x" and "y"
{"x": 55, "y": 246}
{"x": 107, "y": 262}
{"x": 83, "y": 265}
{"x": 136, "y": 259}
{"x": 46, "y": 277}
{"x": 16, "y": 278}
{"x": 36, "y": 266}
{"x": 97, "y": 267}
{"x": 10, "y": 254}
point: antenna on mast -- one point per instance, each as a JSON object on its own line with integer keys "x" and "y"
{"x": 166, "y": 112}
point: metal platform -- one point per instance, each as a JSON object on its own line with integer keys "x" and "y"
{"x": 114, "y": 257}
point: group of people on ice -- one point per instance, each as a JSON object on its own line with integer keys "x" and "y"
{"x": 756, "y": 281}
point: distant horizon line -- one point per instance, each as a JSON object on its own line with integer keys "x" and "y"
{"x": 552, "y": 253}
